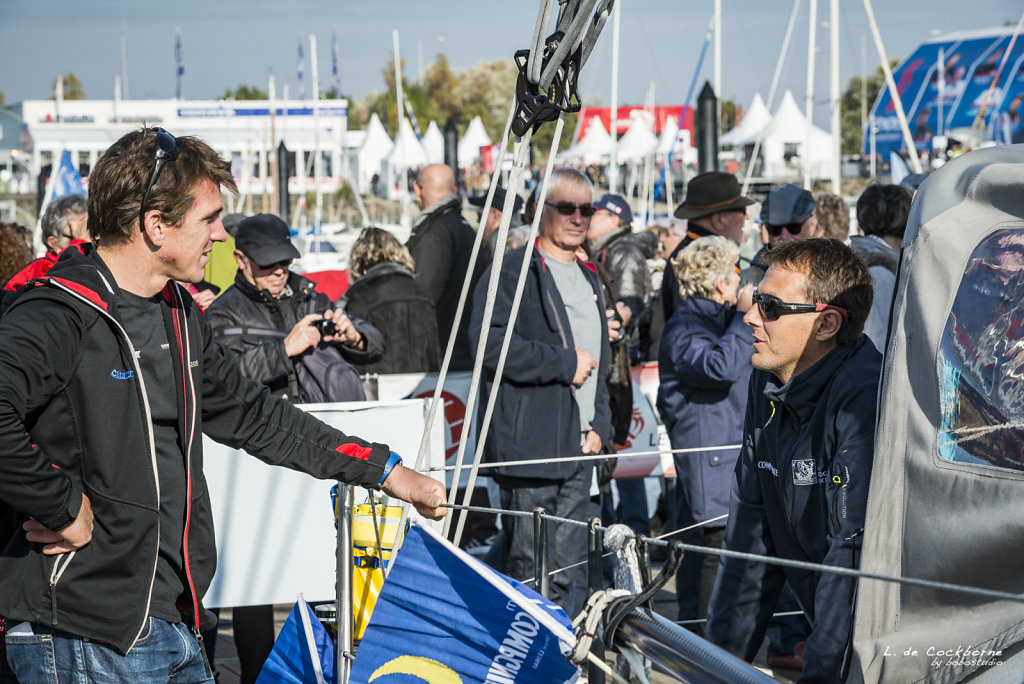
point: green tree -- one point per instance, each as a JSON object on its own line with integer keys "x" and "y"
{"x": 850, "y": 123}
{"x": 72, "y": 88}
{"x": 244, "y": 92}
{"x": 439, "y": 83}
{"x": 729, "y": 114}
{"x": 1, "y": 98}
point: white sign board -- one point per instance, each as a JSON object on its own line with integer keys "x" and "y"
{"x": 275, "y": 526}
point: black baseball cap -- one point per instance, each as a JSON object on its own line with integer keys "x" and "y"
{"x": 265, "y": 239}
{"x": 499, "y": 201}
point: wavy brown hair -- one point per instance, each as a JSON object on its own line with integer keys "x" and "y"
{"x": 14, "y": 253}
{"x": 119, "y": 178}
{"x": 375, "y": 246}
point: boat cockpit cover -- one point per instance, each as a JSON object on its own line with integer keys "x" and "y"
{"x": 947, "y": 490}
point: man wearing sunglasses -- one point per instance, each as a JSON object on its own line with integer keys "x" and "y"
{"x": 553, "y": 399}
{"x": 786, "y": 214}
{"x": 801, "y": 483}
{"x": 109, "y": 378}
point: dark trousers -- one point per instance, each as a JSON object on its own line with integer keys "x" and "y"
{"x": 785, "y": 632}
{"x": 696, "y": 575}
{"x": 567, "y": 544}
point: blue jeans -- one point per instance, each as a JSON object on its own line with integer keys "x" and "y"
{"x": 162, "y": 652}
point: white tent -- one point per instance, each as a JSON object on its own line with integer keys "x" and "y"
{"x": 783, "y": 142}
{"x": 745, "y": 133}
{"x": 639, "y": 140}
{"x": 375, "y": 147}
{"x": 433, "y": 144}
{"x": 407, "y": 154}
{"x": 472, "y": 140}
{"x": 595, "y": 147}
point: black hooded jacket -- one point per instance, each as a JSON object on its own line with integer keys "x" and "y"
{"x": 74, "y": 418}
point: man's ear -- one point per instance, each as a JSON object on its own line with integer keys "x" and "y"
{"x": 155, "y": 229}
{"x": 829, "y": 326}
{"x": 51, "y": 243}
{"x": 240, "y": 259}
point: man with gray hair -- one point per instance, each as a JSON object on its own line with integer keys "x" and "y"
{"x": 64, "y": 221}
{"x": 552, "y": 404}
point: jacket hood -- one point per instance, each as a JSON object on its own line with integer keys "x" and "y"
{"x": 874, "y": 252}
{"x": 384, "y": 268}
{"x": 644, "y": 240}
{"x": 447, "y": 203}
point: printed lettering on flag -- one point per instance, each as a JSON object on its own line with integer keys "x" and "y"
{"x": 445, "y": 617}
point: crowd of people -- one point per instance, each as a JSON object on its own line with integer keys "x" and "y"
{"x": 777, "y": 351}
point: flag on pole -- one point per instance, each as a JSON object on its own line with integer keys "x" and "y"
{"x": 897, "y": 168}
{"x": 65, "y": 179}
{"x": 443, "y": 616}
{"x": 179, "y": 59}
{"x": 301, "y": 66}
{"x": 334, "y": 64}
{"x": 303, "y": 652}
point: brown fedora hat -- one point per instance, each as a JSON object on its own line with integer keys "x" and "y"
{"x": 712, "y": 192}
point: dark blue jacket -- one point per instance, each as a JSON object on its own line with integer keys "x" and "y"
{"x": 704, "y": 369}
{"x": 800, "y": 492}
{"x": 536, "y": 415}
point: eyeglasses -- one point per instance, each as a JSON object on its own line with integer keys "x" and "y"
{"x": 791, "y": 228}
{"x": 772, "y": 307}
{"x": 568, "y": 208}
{"x": 284, "y": 263}
{"x": 166, "y": 150}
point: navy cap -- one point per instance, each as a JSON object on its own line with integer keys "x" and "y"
{"x": 616, "y": 205}
{"x": 266, "y": 239}
{"x": 499, "y": 201}
{"x": 785, "y": 205}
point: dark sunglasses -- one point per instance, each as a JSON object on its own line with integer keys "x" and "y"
{"x": 791, "y": 228}
{"x": 284, "y": 263}
{"x": 166, "y": 150}
{"x": 568, "y": 208}
{"x": 772, "y": 307}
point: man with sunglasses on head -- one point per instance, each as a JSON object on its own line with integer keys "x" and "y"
{"x": 786, "y": 214}
{"x": 553, "y": 398}
{"x": 801, "y": 483}
{"x": 109, "y": 377}
{"x": 268, "y": 296}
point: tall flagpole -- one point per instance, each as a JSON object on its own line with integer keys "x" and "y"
{"x": 805, "y": 154}
{"x": 613, "y": 170}
{"x": 834, "y": 96}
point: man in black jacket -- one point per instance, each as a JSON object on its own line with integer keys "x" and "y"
{"x": 269, "y": 298}
{"x": 108, "y": 379}
{"x": 553, "y": 400}
{"x": 801, "y": 483}
{"x": 441, "y": 244}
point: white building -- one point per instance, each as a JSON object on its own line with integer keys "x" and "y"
{"x": 243, "y": 131}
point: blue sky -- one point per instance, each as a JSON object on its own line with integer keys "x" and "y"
{"x": 228, "y": 43}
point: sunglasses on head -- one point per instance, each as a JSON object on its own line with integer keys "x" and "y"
{"x": 568, "y": 208}
{"x": 791, "y": 228}
{"x": 166, "y": 150}
{"x": 772, "y": 307}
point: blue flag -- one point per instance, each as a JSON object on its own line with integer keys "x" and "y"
{"x": 303, "y": 652}
{"x": 445, "y": 617}
{"x": 179, "y": 56}
{"x": 301, "y": 65}
{"x": 66, "y": 180}
{"x": 897, "y": 168}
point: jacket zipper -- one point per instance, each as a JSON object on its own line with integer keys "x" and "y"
{"x": 785, "y": 501}
{"x": 188, "y": 390}
{"x": 152, "y": 457}
{"x": 55, "y": 575}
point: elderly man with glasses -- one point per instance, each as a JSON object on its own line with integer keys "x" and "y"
{"x": 801, "y": 484}
{"x": 553, "y": 403}
{"x": 271, "y": 316}
{"x": 786, "y": 214}
{"x": 109, "y": 378}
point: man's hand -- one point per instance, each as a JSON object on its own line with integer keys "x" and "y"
{"x": 74, "y": 536}
{"x": 204, "y": 298}
{"x": 425, "y": 493}
{"x": 745, "y": 298}
{"x": 347, "y": 333}
{"x": 592, "y": 443}
{"x": 302, "y": 336}
{"x": 614, "y": 325}
{"x": 585, "y": 363}
{"x": 625, "y": 313}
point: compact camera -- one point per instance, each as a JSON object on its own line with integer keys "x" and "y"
{"x": 325, "y": 326}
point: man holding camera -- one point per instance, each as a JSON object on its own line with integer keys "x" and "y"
{"x": 269, "y": 298}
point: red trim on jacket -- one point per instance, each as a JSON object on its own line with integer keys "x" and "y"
{"x": 355, "y": 451}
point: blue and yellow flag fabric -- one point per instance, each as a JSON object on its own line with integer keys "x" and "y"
{"x": 443, "y": 617}
{"x": 303, "y": 652}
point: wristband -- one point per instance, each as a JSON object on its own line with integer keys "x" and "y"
{"x": 389, "y": 465}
